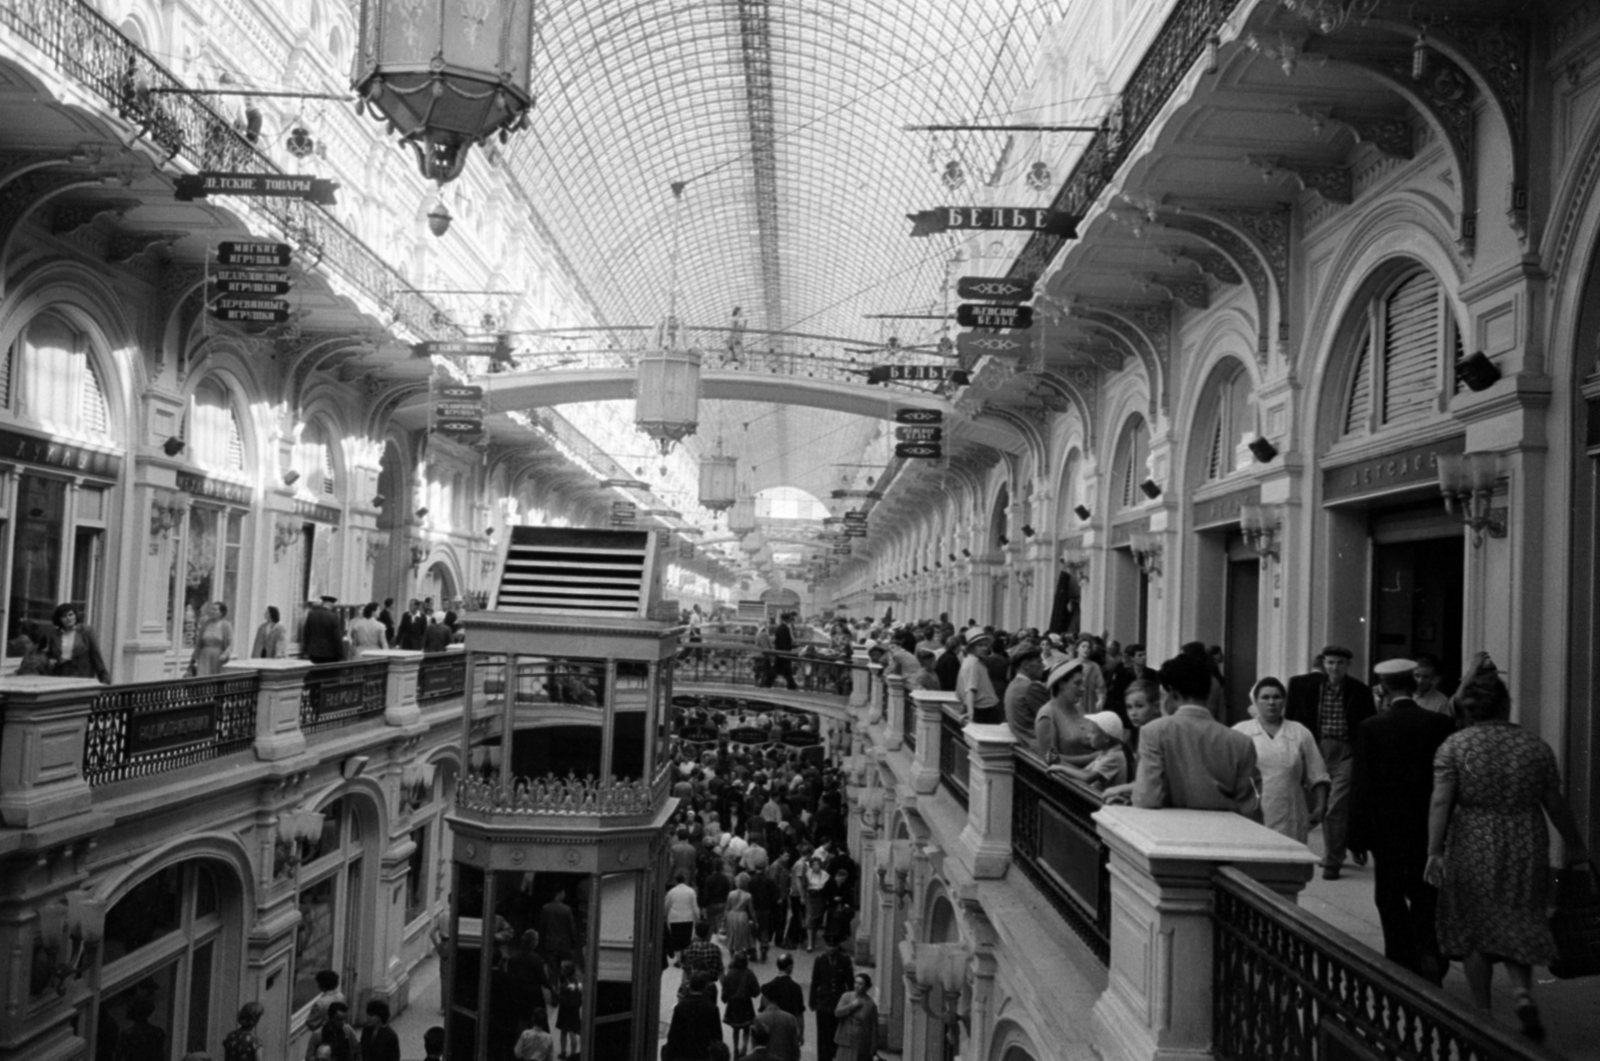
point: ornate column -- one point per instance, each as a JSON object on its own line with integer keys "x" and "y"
{"x": 401, "y": 696}
{"x": 46, "y": 728}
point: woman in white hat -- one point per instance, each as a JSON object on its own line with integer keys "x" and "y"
{"x": 1060, "y": 728}
{"x": 1110, "y": 765}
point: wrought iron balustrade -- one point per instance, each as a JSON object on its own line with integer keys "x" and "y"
{"x": 336, "y": 694}
{"x": 955, "y": 768}
{"x": 441, "y": 677}
{"x": 713, "y": 663}
{"x": 908, "y": 722}
{"x": 89, "y": 50}
{"x": 1289, "y": 987}
{"x": 560, "y": 796}
{"x": 153, "y": 727}
{"x": 1055, "y": 842}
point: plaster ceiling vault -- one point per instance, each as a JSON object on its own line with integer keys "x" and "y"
{"x": 783, "y": 119}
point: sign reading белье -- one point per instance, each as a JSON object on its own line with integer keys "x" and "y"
{"x": 317, "y": 190}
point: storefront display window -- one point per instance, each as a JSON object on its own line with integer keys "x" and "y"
{"x": 36, "y": 554}
{"x": 331, "y": 901}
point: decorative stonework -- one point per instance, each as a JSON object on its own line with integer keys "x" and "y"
{"x": 1332, "y": 182}
{"x": 551, "y": 795}
{"x": 1240, "y": 254}
{"x": 1192, "y": 292}
{"x": 1212, "y": 264}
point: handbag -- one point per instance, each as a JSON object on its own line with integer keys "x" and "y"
{"x": 1576, "y": 923}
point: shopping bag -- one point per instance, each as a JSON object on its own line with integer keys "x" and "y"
{"x": 1576, "y": 923}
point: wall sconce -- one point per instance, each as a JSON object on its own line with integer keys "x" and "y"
{"x": 1028, "y": 531}
{"x": 942, "y": 967}
{"x": 418, "y": 554}
{"x": 378, "y": 500}
{"x": 172, "y": 446}
{"x": 67, "y": 929}
{"x": 291, "y": 477}
{"x": 1477, "y": 372}
{"x": 165, "y": 516}
{"x": 297, "y": 831}
{"x": 1082, "y": 512}
{"x": 966, "y": 553}
{"x": 1076, "y": 561}
{"x": 416, "y": 786}
{"x": 1260, "y": 524}
{"x": 1146, "y": 553}
{"x": 871, "y": 812}
{"x": 894, "y": 856}
{"x": 486, "y": 760}
{"x": 938, "y": 564}
{"x": 1150, "y": 489}
{"x": 1262, "y": 450}
{"x": 952, "y": 558}
{"x": 1004, "y": 541}
{"x": 1467, "y": 481}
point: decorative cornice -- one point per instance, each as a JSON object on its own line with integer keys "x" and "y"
{"x": 1332, "y": 182}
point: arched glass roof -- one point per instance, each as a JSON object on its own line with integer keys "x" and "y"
{"x": 782, "y": 118}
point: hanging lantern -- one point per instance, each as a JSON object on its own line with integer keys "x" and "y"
{"x": 742, "y": 516}
{"x": 667, "y": 395}
{"x": 718, "y": 486}
{"x": 446, "y": 75}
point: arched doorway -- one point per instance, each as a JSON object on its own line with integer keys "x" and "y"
{"x": 440, "y": 584}
{"x": 943, "y": 1028}
{"x": 337, "y": 890}
{"x": 996, "y": 543}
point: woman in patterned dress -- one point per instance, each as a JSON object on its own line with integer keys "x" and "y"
{"x": 1488, "y": 846}
{"x": 242, "y": 1043}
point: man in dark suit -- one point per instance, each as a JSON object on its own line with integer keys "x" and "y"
{"x": 413, "y": 625}
{"x": 832, "y": 977}
{"x": 1332, "y": 705}
{"x": 1391, "y": 788}
{"x": 785, "y": 992}
{"x": 1190, "y": 760}
{"x": 386, "y": 617}
{"x": 323, "y": 638}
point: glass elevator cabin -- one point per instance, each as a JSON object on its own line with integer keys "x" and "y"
{"x": 559, "y": 820}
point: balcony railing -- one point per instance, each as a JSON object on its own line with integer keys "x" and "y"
{"x": 89, "y": 50}
{"x": 559, "y": 796}
{"x": 1055, "y": 841}
{"x": 713, "y": 664}
{"x": 441, "y": 677}
{"x": 955, "y": 769}
{"x": 153, "y": 727}
{"x": 338, "y": 693}
{"x": 1289, "y": 987}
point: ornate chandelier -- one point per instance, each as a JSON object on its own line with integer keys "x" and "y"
{"x": 446, "y": 74}
{"x": 718, "y": 487}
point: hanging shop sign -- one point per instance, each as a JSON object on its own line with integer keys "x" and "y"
{"x": 843, "y": 549}
{"x": 918, "y": 416}
{"x": 991, "y": 218}
{"x": 994, "y": 289}
{"x": 856, "y": 530}
{"x": 1408, "y": 468}
{"x": 929, "y": 373}
{"x": 919, "y": 434}
{"x": 989, "y": 344}
{"x": 624, "y": 513}
{"x": 979, "y": 315}
{"x": 458, "y": 410}
{"x": 253, "y": 254}
{"x": 855, "y": 517}
{"x": 456, "y": 348}
{"x": 317, "y": 190}
{"x": 250, "y": 310}
{"x": 250, "y": 282}
{"x": 870, "y": 495}
{"x": 918, "y": 450}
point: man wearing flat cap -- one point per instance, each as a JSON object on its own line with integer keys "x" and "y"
{"x": 323, "y": 638}
{"x": 1332, "y": 705}
{"x": 1391, "y": 788}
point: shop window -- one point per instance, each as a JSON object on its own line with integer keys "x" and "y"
{"x": 417, "y": 876}
{"x": 331, "y": 899}
{"x": 154, "y": 989}
{"x": 210, "y": 552}
{"x": 1398, "y": 375}
{"x": 1128, "y": 470}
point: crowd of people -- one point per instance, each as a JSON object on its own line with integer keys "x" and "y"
{"x": 1445, "y": 795}
{"x": 760, "y": 868}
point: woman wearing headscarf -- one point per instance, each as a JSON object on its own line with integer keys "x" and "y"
{"x": 1294, "y": 780}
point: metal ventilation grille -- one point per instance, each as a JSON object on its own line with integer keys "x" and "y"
{"x": 575, "y": 571}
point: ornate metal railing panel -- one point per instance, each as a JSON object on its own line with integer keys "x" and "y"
{"x": 955, "y": 769}
{"x": 908, "y": 722}
{"x": 150, "y": 728}
{"x": 441, "y": 677}
{"x": 722, "y": 664}
{"x": 335, "y": 694}
{"x": 1165, "y": 64}
{"x": 564, "y": 796}
{"x": 89, "y": 50}
{"x": 1054, "y": 840}
{"x": 1289, "y": 987}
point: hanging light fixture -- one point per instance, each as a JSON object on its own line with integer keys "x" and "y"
{"x": 446, "y": 76}
{"x": 718, "y": 481}
{"x": 742, "y": 516}
{"x": 667, "y": 391}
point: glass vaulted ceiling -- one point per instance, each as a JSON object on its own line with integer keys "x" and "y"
{"x": 784, "y": 119}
